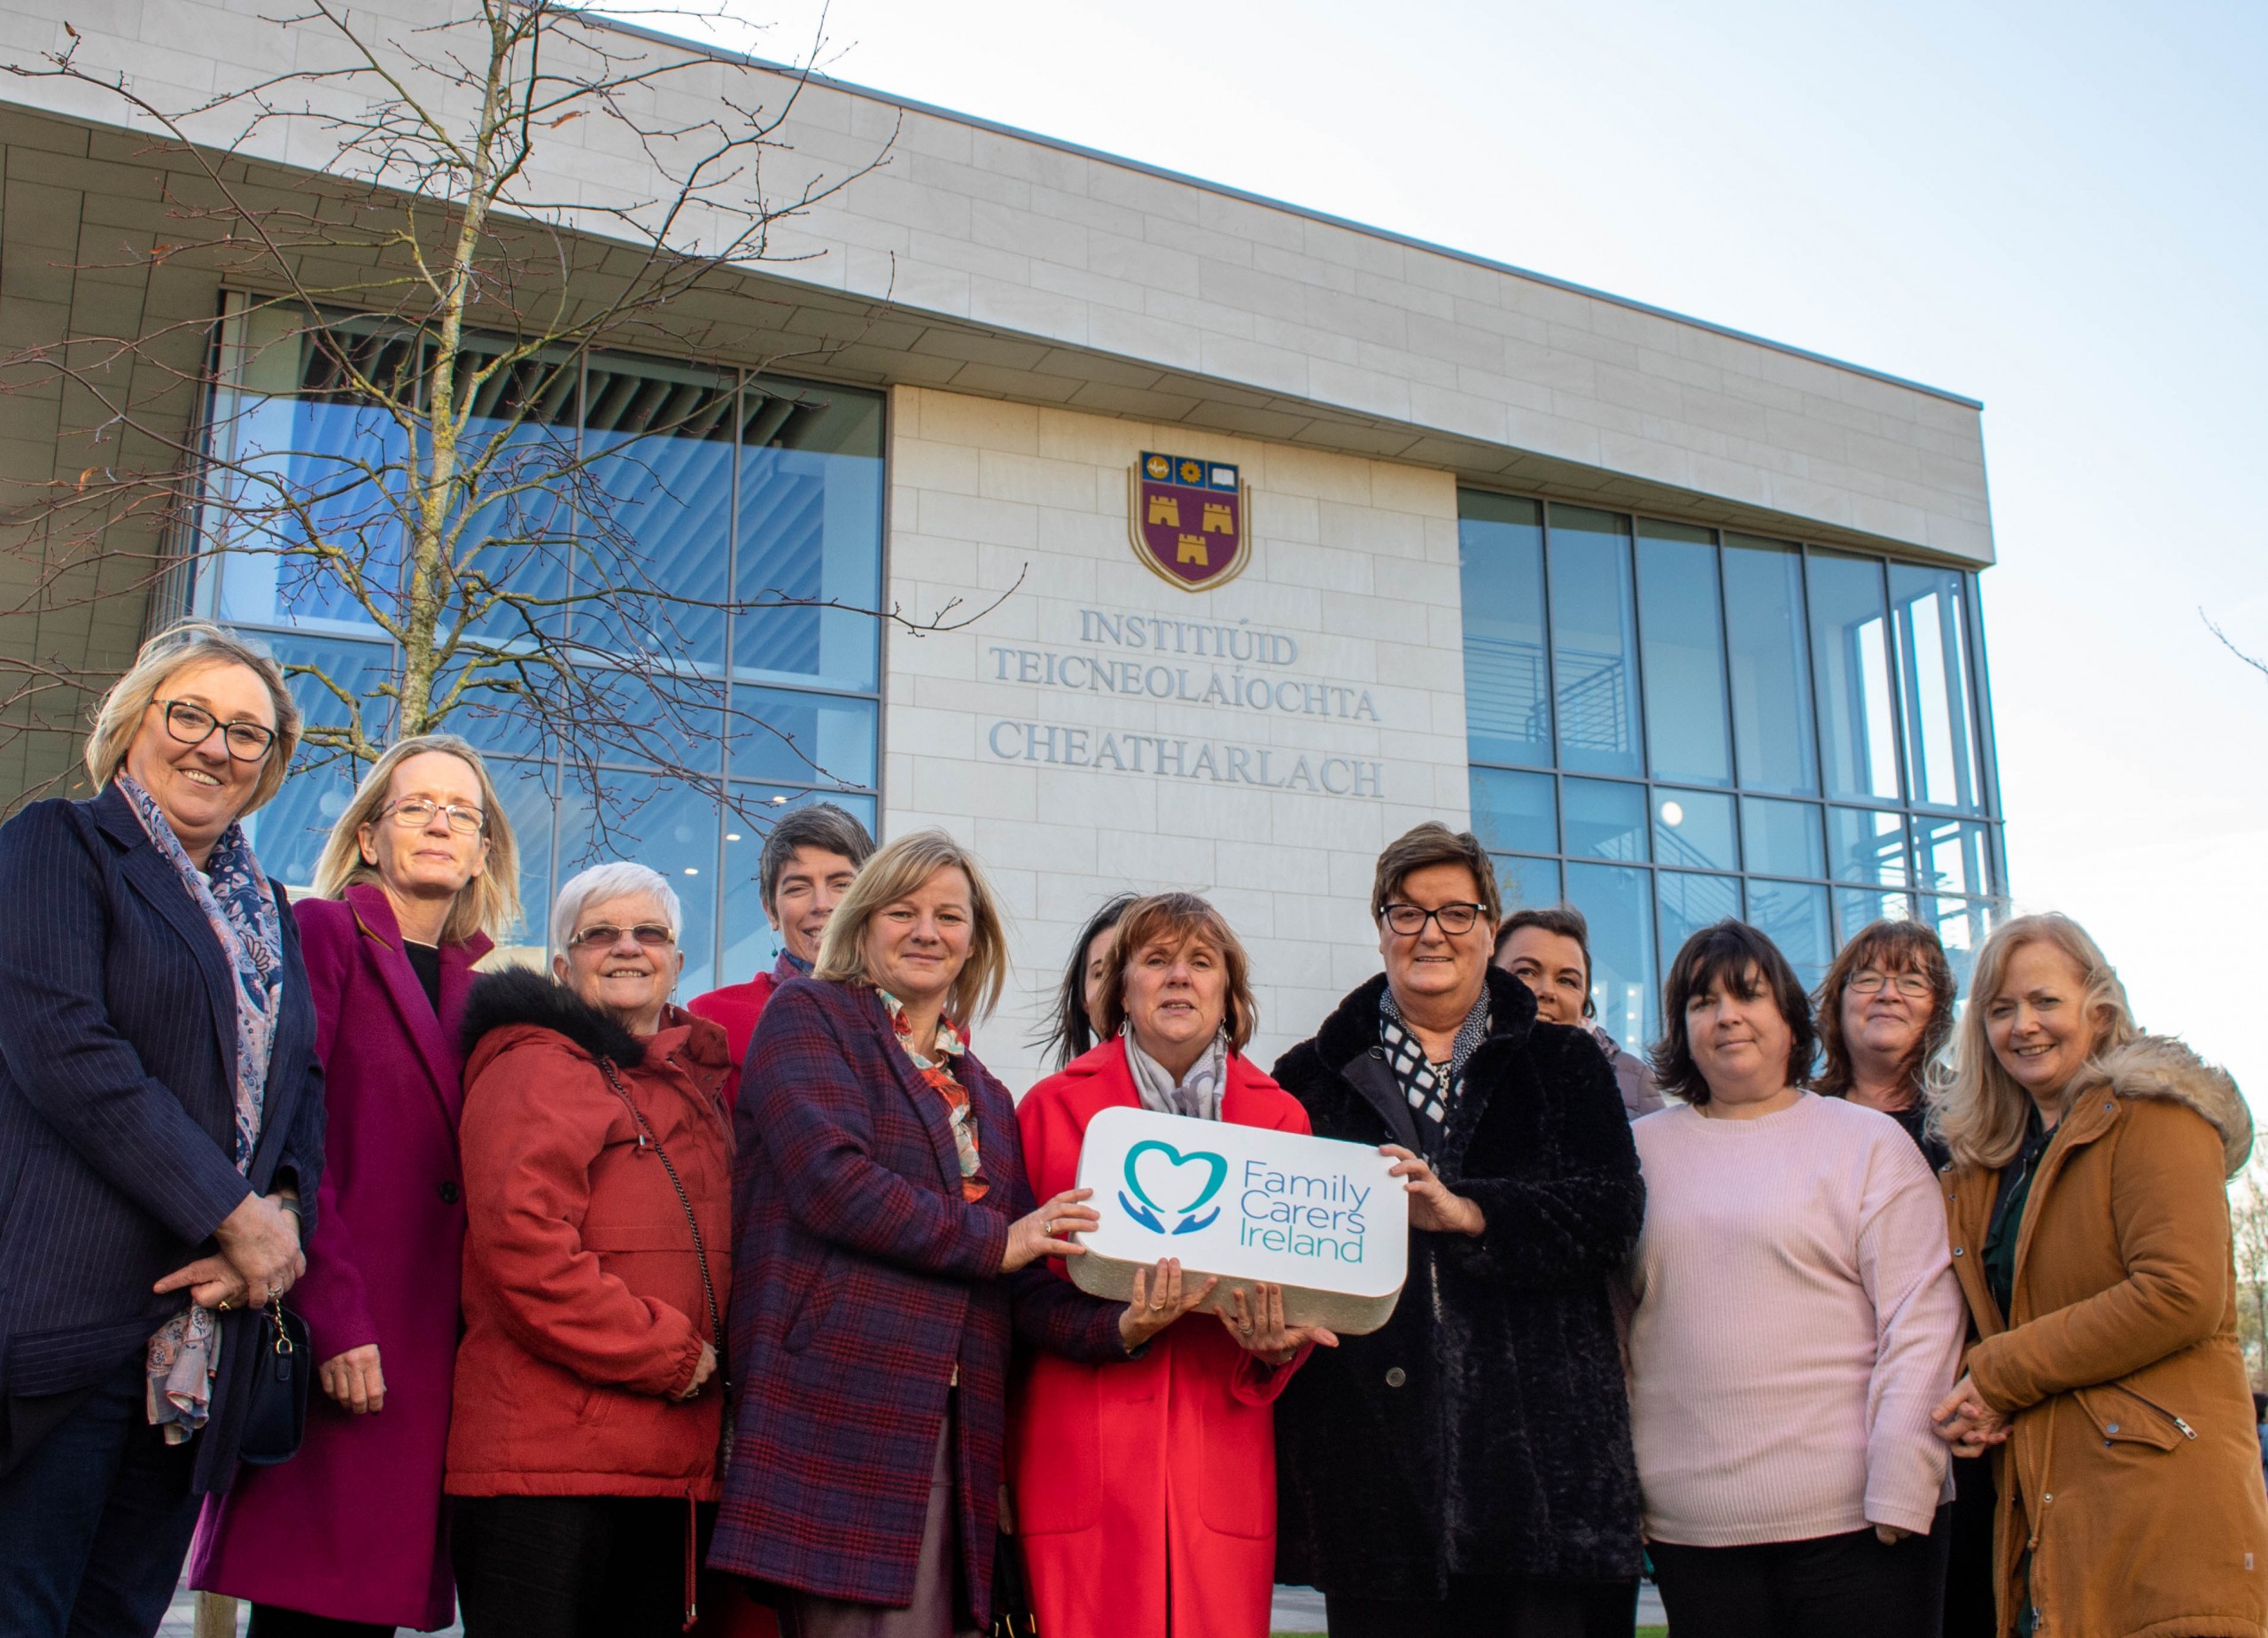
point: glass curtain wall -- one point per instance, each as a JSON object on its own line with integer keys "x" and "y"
{"x": 761, "y": 488}
{"x": 1668, "y": 726}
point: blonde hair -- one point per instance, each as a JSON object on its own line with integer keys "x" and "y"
{"x": 183, "y": 646}
{"x": 896, "y": 871}
{"x": 489, "y": 903}
{"x": 1981, "y": 1110}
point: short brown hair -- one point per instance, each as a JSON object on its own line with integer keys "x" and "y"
{"x": 1742, "y": 957}
{"x": 183, "y": 646}
{"x": 1181, "y": 917}
{"x": 1892, "y": 947}
{"x": 891, "y": 875}
{"x": 1433, "y": 843}
{"x": 823, "y": 826}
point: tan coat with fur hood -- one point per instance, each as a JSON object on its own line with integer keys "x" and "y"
{"x": 2132, "y": 1473}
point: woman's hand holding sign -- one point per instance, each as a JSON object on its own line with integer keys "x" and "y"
{"x": 1257, "y": 1323}
{"x": 1045, "y": 1232}
{"x": 1432, "y": 1203}
{"x": 1157, "y": 1300}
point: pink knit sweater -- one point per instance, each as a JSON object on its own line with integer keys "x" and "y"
{"x": 1796, "y": 1319}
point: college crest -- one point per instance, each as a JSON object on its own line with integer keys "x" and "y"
{"x": 1189, "y": 519}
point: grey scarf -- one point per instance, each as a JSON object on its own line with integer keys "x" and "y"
{"x": 1198, "y": 1095}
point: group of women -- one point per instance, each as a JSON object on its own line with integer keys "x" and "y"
{"x": 626, "y": 1317}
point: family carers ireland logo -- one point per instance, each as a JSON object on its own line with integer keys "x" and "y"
{"x": 1188, "y": 520}
{"x": 1170, "y": 1177}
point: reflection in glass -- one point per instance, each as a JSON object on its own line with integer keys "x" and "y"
{"x": 1514, "y": 812}
{"x": 1782, "y": 837}
{"x": 1850, "y": 658}
{"x": 1694, "y": 828}
{"x": 1771, "y": 683}
{"x": 1940, "y": 735}
{"x": 526, "y": 790}
{"x": 289, "y": 832}
{"x": 804, "y": 739}
{"x": 810, "y": 521}
{"x": 751, "y": 944}
{"x": 1866, "y": 844}
{"x": 1614, "y": 899}
{"x": 1687, "y": 903}
{"x": 1594, "y": 642}
{"x": 1527, "y": 883}
{"x": 671, "y": 828}
{"x": 1606, "y": 820}
{"x": 1954, "y": 855}
{"x": 1793, "y": 915}
{"x": 1682, "y": 649}
{"x": 1859, "y": 907}
{"x": 1507, "y": 689}
{"x": 1960, "y": 927}
{"x": 659, "y": 441}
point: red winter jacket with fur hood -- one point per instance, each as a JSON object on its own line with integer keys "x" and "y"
{"x": 584, "y": 1306}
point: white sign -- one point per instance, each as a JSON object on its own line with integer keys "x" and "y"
{"x": 1321, "y": 1218}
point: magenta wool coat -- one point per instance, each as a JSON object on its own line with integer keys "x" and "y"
{"x": 351, "y": 1526}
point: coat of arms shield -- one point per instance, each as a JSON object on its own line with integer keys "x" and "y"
{"x": 1188, "y": 520}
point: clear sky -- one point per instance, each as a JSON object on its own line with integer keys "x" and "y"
{"x": 2061, "y": 210}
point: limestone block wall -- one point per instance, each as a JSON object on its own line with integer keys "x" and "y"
{"x": 1347, "y": 612}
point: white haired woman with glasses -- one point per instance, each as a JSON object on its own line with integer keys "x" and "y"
{"x": 160, "y": 1134}
{"x": 347, "y": 1537}
{"x": 588, "y": 1408}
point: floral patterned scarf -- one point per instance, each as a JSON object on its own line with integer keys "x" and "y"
{"x": 937, "y": 1074}
{"x": 232, "y": 890}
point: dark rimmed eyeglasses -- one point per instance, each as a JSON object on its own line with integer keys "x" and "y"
{"x": 1454, "y": 918}
{"x": 193, "y": 725}
{"x": 415, "y": 813}
{"x": 599, "y": 936}
{"x": 1865, "y": 982}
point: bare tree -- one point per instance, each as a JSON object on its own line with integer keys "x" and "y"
{"x": 2257, "y": 664}
{"x": 420, "y": 271}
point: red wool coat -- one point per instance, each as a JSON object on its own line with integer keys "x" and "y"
{"x": 1148, "y": 1485}
{"x": 351, "y": 1527}
{"x": 584, "y": 1307}
{"x": 735, "y": 1009}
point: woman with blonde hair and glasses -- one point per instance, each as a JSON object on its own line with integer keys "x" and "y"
{"x": 886, "y": 1246}
{"x": 2090, "y": 1227}
{"x": 421, "y": 871}
{"x": 160, "y": 1134}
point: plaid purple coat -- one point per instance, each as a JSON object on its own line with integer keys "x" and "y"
{"x": 861, "y": 1281}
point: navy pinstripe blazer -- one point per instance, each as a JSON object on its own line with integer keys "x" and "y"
{"x": 117, "y": 1109}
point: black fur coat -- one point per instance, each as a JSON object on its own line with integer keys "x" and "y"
{"x": 1483, "y": 1430}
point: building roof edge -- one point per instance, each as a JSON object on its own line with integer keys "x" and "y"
{"x": 915, "y": 106}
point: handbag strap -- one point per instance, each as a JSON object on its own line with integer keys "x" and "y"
{"x": 648, "y": 1140}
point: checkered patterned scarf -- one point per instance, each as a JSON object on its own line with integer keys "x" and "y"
{"x": 1431, "y": 1088}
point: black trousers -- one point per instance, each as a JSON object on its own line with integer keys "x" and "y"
{"x": 1833, "y": 1587}
{"x": 1478, "y": 1606}
{"x": 573, "y": 1566}
{"x": 1968, "y": 1571}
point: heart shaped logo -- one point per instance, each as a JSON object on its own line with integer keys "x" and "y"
{"x": 1168, "y": 1173}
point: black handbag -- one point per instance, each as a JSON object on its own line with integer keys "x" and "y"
{"x": 275, "y": 1414}
{"x": 1011, "y": 1611}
